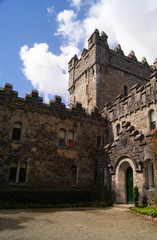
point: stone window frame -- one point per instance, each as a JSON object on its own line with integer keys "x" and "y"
{"x": 125, "y": 90}
{"x": 151, "y": 124}
{"x": 17, "y": 131}
{"x": 149, "y": 174}
{"x": 66, "y": 141}
{"x": 74, "y": 169}
{"x": 118, "y": 127}
{"x": 62, "y": 139}
{"x": 18, "y": 173}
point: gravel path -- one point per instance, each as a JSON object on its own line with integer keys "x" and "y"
{"x": 75, "y": 224}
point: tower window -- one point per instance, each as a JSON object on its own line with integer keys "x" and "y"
{"x": 16, "y": 135}
{"x": 117, "y": 129}
{"x": 125, "y": 91}
{"x": 98, "y": 142}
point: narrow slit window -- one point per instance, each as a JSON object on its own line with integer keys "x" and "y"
{"x": 16, "y": 135}
{"x": 152, "y": 120}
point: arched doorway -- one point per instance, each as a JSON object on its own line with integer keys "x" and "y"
{"x": 129, "y": 179}
{"x": 124, "y": 181}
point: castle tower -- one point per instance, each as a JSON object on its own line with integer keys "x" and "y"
{"x": 101, "y": 74}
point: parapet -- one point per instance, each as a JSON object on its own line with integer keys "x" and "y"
{"x": 33, "y": 102}
{"x": 107, "y": 57}
{"x": 138, "y": 98}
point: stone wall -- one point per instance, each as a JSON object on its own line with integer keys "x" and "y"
{"x": 101, "y": 73}
{"x": 134, "y": 108}
{"x": 48, "y": 164}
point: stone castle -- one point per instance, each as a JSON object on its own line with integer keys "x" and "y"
{"x": 107, "y": 136}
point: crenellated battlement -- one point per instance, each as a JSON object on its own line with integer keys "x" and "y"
{"x": 101, "y": 73}
{"x": 138, "y": 98}
{"x": 111, "y": 57}
{"x": 33, "y": 102}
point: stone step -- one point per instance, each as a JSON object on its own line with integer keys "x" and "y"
{"x": 127, "y": 206}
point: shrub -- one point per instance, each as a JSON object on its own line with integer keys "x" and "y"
{"x": 135, "y": 196}
{"x": 45, "y": 196}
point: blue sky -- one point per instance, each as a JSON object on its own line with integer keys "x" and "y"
{"x": 38, "y": 38}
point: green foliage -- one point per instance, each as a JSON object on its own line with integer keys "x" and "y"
{"x": 39, "y": 198}
{"x": 135, "y": 195}
{"x": 150, "y": 211}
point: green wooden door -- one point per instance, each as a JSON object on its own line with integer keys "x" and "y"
{"x": 129, "y": 178}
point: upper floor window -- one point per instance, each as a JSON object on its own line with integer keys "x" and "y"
{"x": 152, "y": 120}
{"x": 117, "y": 129}
{"x": 62, "y": 135}
{"x": 16, "y": 134}
{"x": 70, "y": 139}
{"x": 125, "y": 90}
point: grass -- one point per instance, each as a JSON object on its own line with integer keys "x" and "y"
{"x": 150, "y": 211}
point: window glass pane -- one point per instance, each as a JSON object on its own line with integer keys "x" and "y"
{"x": 13, "y": 164}
{"x": 22, "y": 175}
{"x": 118, "y": 129}
{"x": 98, "y": 141}
{"x": 70, "y": 143}
{"x": 23, "y": 165}
{"x": 152, "y": 116}
{"x": 17, "y": 125}
{"x": 62, "y": 134}
{"x": 13, "y": 171}
{"x": 70, "y": 135}
{"x": 17, "y": 131}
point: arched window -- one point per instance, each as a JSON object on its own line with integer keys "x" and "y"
{"x": 150, "y": 175}
{"x": 22, "y": 173}
{"x": 62, "y": 135}
{"x": 117, "y": 129}
{"x": 16, "y": 134}
{"x": 98, "y": 142}
{"x": 13, "y": 172}
{"x": 152, "y": 119}
{"x": 70, "y": 139}
{"x": 125, "y": 90}
{"x": 73, "y": 175}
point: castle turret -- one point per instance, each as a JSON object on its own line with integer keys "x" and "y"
{"x": 102, "y": 73}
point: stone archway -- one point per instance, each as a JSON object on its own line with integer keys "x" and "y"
{"x": 124, "y": 167}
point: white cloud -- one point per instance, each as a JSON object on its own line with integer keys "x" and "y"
{"x": 50, "y": 10}
{"x": 47, "y": 72}
{"x": 130, "y": 23}
{"x": 70, "y": 28}
{"x": 76, "y": 3}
